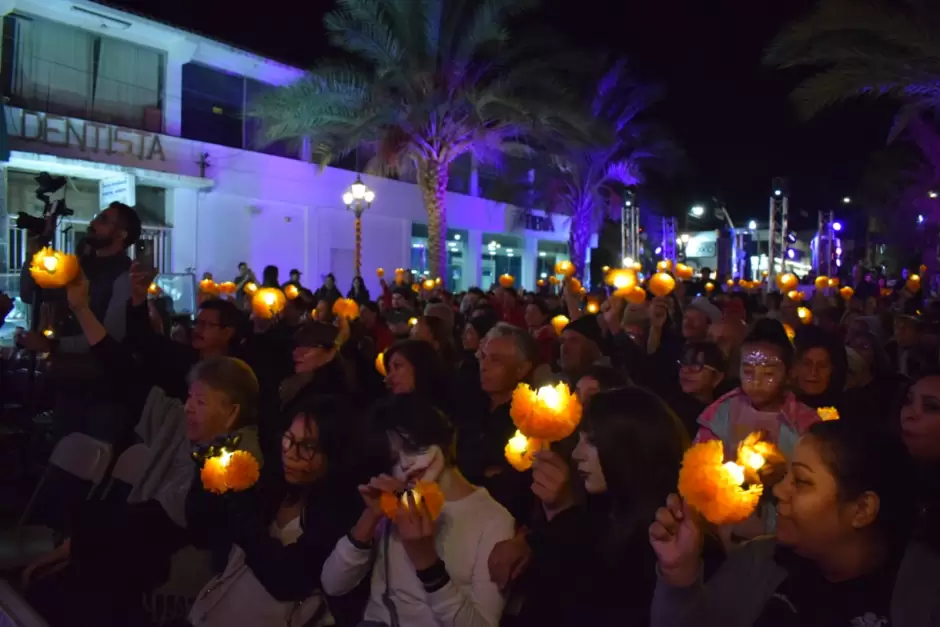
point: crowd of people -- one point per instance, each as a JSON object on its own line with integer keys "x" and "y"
{"x": 593, "y": 534}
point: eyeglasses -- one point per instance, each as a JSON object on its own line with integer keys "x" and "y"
{"x": 202, "y": 324}
{"x": 306, "y": 449}
{"x": 694, "y": 368}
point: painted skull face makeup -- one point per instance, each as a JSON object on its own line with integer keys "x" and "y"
{"x": 759, "y": 357}
{"x": 411, "y": 466}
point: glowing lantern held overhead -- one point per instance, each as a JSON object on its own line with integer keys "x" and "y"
{"x": 250, "y": 288}
{"x": 228, "y": 288}
{"x": 730, "y": 282}
{"x": 380, "y": 272}
{"x": 291, "y": 291}
{"x": 559, "y": 323}
{"x": 622, "y": 280}
{"x": 507, "y": 280}
{"x": 821, "y": 282}
{"x": 268, "y": 302}
{"x": 913, "y": 283}
{"x": 796, "y": 296}
{"x": 661, "y": 284}
{"x": 564, "y": 268}
{"x": 834, "y": 282}
{"x": 787, "y": 282}
{"x": 791, "y": 334}
{"x": 846, "y": 293}
{"x": 51, "y": 269}
{"x": 346, "y": 308}
{"x": 540, "y": 283}
{"x": 209, "y": 287}
{"x": 548, "y": 414}
{"x": 709, "y": 287}
{"x": 399, "y": 276}
{"x": 428, "y": 284}
{"x": 805, "y": 315}
{"x": 592, "y": 307}
{"x": 684, "y": 272}
{"x": 664, "y": 266}
{"x": 380, "y": 364}
{"x": 636, "y": 296}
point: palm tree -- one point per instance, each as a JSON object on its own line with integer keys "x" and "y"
{"x": 593, "y": 174}
{"x": 865, "y": 49}
{"x": 426, "y": 81}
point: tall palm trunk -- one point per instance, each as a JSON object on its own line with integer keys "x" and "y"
{"x": 358, "y": 251}
{"x": 432, "y": 179}
{"x": 579, "y": 236}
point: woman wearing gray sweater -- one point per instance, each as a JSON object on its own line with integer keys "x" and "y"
{"x": 840, "y": 558}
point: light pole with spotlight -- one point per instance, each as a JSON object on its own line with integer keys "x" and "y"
{"x": 357, "y": 198}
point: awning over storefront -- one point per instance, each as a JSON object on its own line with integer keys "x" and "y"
{"x": 61, "y": 166}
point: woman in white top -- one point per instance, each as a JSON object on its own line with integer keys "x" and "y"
{"x": 283, "y": 529}
{"x": 425, "y": 573}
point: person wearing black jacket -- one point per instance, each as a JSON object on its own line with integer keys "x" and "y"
{"x": 285, "y": 527}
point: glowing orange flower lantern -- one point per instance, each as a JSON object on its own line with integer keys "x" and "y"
{"x": 208, "y": 286}
{"x": 154, "y": 289}
{"x": 228, "y": 288}
{"x": 827, "y": 414}
{"x": 552, "y": 280}
{"x": 637, "y": 267}
{"x": 592, "y": 307}
{"x": 564, "y": 268}
{"x": 415, "y": 288}
{"x": 427, "y": 492}
{"x": 787, "y": 282}
{"x": 605, "y": 269}
{"x": 805, "y": 315}
{"x": 684, "y": 272}
{"x": 821, "y": 282}
{"x": 236, "y": 471}
{"x": 714, "y": 487}
{"x": 796, "y": 296}
{"x": 922, "y": 269}
{"x": 291, "y": 292}
{"x": 622, "y": 280}
{"x": 540, "y": 283}
{"x": 49, "y": 333}
{"x": 548, "y": 414}
{"x": 519, "y": 451}
{"x": 559, "y": 323}
{"x": 268, "y": 302}
{"x": 412, "y": 322}
{"x": 250, "y": 288}
{"x": 51, "y": 269}
{"x": 574, "y": 285}
{"x": 380, "y": 272}
{"x": 399, "y": 276}
{"x": 428, "y": 284}
{"x": 636, "y": 296}
{"x": 791, "y": 334}
{"x": 346, "y": 308}
{"x": 709, "y": 287}
{"x": 664, "y": 266}
{"x": 913, "y": 283}
{"x": 730, "y": 282}
{"x": 507, "y": 280}
{"x": 834, "y": 282}
{"x": 380, "y": 364}
{"x": 846, "y": 293}
{"x": 661, "y": 284}
{"x": 886, "y": 292}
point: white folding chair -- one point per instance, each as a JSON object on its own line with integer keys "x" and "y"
{"x": 77, "y": 454}
{"x": 129, "y": 467}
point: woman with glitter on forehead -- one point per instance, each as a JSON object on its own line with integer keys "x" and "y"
{"x": 762, "y": 403}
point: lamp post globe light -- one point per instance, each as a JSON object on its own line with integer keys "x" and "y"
{"x": 357, "y": 198}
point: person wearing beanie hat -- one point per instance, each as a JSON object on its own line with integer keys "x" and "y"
{"x": 581, "y": 343}
{"x": 697, "y": 317}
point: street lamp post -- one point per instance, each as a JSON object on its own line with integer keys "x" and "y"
{"x": 357, "y": 198}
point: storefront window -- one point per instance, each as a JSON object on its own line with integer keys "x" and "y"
{"x": 549, "y": 253}
{"x": 456, "y": 255}
{"x": 502, "y": 254}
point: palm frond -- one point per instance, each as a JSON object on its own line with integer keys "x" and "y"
{"x": 363, "y": 28}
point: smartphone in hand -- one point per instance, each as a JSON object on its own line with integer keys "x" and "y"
{"x": 144, "y": 255}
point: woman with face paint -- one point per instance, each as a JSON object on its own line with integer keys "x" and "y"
{"x": 762, "y": 403}
{"x": 281, "y": 531}
{"x": 425, "y": 572}
{"x": 841, "y": 556}
{"x": 591, "y": 563}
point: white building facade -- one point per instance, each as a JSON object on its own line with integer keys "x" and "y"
{"x": 129, "y": 109}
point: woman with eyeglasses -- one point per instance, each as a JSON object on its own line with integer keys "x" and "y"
{"x": 702, "y": 368}
{"x": 279, "y": 532}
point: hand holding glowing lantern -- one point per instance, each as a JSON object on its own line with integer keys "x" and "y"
{"x": 426, "y": 492}
{"x": 622, "y": 280}
{"x": 548, "y": 414}
{"x": 230, "y": 470}
{"x": 268, "y": 302}
{"x": 506, "y": 280}
{"x": 827, "y": 414}
{"x": 51, "y": 269}
{"x": 559, "y": 323}
{"x": 564, "y": 268}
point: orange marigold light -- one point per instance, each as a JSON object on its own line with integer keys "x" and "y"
{"x": 380, "y": 272}
{"x": 559, "y": 323}
{"x": 661, "y": 284}
{"x": 268, "y": 302}
{"x": 913, "y": 283}
{"x": 709, "y": 287}
{"x": 230, "y": 470}
{"x": 636, "y": 296}
{"x": 154, "y": 290}
{"x": 291, "y": 292}
{"x": 519, "y": 451}
{"x": 786, "y": 282}
{"x": 51, "y": 269}
{"x": 540, "y": 283}
{"x": 791, "y": 334}
{"x": 684, "y": 272}
{"x": 415, "y": 288}
{"x": 922, "y": 269}
{"x": 886, "y": 292}
{"x": 730, "y": 282}
{"x": 592, "y": 307}
{"x": 796, "y": 296}
{"x": 507, "y": 280}
{"x": 622, "y": 280}
{"x": 412, "y": 322}
{"x": 805, "y": 315}
{"x": 250, "y": 288}
{"x": 553, "y": 280}
{"x": 227, "y": 288}
{"x": 347, "y": 308}
{"x": 208, "y": 286}
{"x": 715, "y": 487}
{"x": 399, "y": 275}
{"x": 846, "y": 293}
{"x": 550, "y": 413}
{"x": 827, "y": 414}
{"x": 821, "y": 282}
{"x": 834, "y": 282}
{"x": 380, "y": 364}
{"x": 575, "y": 285}
{"x": 664, "y": 266}
{"x": 564, "y": 268}
{"x": 426, "y": 491}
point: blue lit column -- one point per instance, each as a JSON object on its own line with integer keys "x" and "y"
{"x": 474, "y": 254}
{"x": 530, "y": 255}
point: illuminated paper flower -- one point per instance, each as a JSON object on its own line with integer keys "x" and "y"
{"x": 236, "y": 471}
{"x": 636, "y": 296}
{"x": 592, "y": 307}
{"x": 564, "y": 268}
{"x": 380, "y": 364}
{"x": 730, "y": 282}
{"x": 714, "y": 487}
{"x": 886, "y": 292}
{"x": 846, "y": 293}
{"x": 49, "y": 333}
{"x": 380, "y": 272}
{"x": 622, "y": 280}
{"x": 754, "y": 453}
{"x": 805, "y": 315}
{"x": 227, "y": 288}
{"x": 684, "y": 272}
{"x": 791, "y": 334}
{"x": 559, "y": 323}
{"x": 822, "y": 282}
{"x": 208, "y": 286}
{"x": 412, "y": 322}
{"x": 664, "y": 266}
{"x": 250, "y": 288}
{"x": 637, "y": 266}
{"x": 834, "y": 282}
{"x": 399, "y": 276}
{"x": 661, "y": 284}
{"x": 506, "y": 280}
{"x": 796, "y": 296}
{"x": 827, "y": 414}
{"x": 268, "y": 302}
{"x": 346, "y": 308}
{"x": 426, "y": 491}
{"x": 428, "y": 284}
{"x": 913, "y": 283}
{"x": 553, "y": 280}
{"x": 291, "y": 292}
{"x": 605, "y": 269}
{"x": 154, "y": 290}
{"x": 519, "y": 451}
{"x": 540, "y": 283}
{"x": 709, "y": 287}
{"x": 415, "y": 288}
{"x": 786, "y": 282}
{"x": 575, "y": 285}
{"x": 551, "y": 413}
{"x": 50, "y": 268}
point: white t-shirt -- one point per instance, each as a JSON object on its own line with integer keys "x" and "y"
{"x": 467, "y": 531}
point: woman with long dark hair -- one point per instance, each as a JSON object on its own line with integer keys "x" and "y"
{"x": 591, "y": 563}
{"x": 414, "y": 366}
{"x": 434, "y": 331}
{"x": 358, "y": 291}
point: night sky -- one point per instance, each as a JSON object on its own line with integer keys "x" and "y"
{"x": 730, "y": 114}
